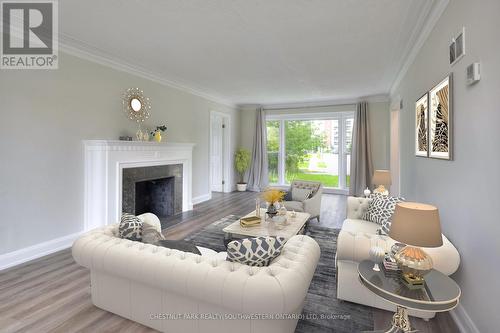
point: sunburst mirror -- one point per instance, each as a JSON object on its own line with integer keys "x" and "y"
{"x": 137, "y": 107}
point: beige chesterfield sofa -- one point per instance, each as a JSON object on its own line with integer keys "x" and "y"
{"x": 356, "y": 238}
{"x": 174, "y": 291}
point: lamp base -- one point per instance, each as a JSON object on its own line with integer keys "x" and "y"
{"x": 414, "y": 263}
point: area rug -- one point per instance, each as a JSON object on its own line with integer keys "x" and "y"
{"x": 322, "y": 311}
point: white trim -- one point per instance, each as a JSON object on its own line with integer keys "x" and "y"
{"x": 226, "y": 151}
{"x": 87, "y": 52}
{"x": 427, "y": 22}
{"x": 104, "y": 162}
{"x": 32, "y": 252}
{"x": 319, "y": 103}
{"x": 340, "y": 116}
{"x": 463, "y": 320}
{"x": 202, "y": 198}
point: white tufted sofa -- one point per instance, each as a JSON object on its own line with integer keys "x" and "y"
{"x": 157, "y": 287}
{"x": 356, "y": 238}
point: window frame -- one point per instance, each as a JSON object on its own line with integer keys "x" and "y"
{"x": 341, "y": 116}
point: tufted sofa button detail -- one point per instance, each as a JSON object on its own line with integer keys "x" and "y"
{"x": 233, "y": 286}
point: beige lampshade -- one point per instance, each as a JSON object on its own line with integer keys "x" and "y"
{"x": 416, "y": 224}
{"x": 381, "y": 177}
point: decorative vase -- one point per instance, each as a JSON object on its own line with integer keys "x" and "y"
{"x": 271, "y": 210}
{"x": 377, "y": 255}
{"x": 241, "y": 187}
{"x": 158, "y": 136}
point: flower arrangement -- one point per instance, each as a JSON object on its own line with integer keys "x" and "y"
{"x": 161, "y": 128}
{"x": 272, "y": 195}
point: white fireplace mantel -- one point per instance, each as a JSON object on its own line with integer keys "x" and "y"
{"x": 104, "y": 163}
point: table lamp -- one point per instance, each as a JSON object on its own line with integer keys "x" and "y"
{"x": 416, "y": 225}
{"x": 381, "y": 178}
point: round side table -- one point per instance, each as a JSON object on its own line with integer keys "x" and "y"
{"x": 439, "y": 294}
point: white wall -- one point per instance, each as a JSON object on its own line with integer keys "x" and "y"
{"x": 466, "y": 189}
{"x": 45, "y": 115}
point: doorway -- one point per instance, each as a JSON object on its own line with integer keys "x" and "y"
{"x": 219, "y": 152}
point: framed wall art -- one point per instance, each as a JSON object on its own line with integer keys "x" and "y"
{"x": 422, "y": 126}
{"x": 440, "y": 120}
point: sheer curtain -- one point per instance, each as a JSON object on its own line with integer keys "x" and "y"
{"x": 361, "y": 157}
{"x": 258, "y": 173}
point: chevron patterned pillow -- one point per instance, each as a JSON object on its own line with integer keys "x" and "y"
{"x": 381, "y": 209}
{"x": 130, "y": 227}
{"x": 259, "y": 251}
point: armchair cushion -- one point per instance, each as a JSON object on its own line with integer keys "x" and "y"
{"x": 301, "y": 194}
{"x": 294, "y": 205}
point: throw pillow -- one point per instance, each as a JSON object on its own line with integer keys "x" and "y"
{"x": 258, "y": 251}
{"x": 300, "y": 194}
{"x": 150, "y": 234}
{"x": 381, "y": 209}
{"x": 180, "y": 245}
{"x": 288, "y": 196}
{"x": 130, "y": 227}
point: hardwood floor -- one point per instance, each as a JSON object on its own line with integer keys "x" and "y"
{"x": 52, "y": 294}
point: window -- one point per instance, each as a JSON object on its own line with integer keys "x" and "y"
{"x": 316, "y": 148}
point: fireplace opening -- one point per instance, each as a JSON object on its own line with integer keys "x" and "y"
{"x": 156, "y": 196}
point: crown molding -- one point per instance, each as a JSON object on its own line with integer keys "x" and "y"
{"x": 77, "y": 48}
{"x": 379, "y": 98}
{"x": 425, "y": 24}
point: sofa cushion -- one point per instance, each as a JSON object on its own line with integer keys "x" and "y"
{"x": 294, "y": 205}
{"x": 150, "y": 234}
{"x": 258, "y": 251}
{"x": 179, "y": 245}
{"x": 356, "y": 226}
{"x": 130, "y": 227}
{"x": 381, "y": 209}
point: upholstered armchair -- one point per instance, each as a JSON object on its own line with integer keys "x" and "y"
{"x": 312, "y": 204}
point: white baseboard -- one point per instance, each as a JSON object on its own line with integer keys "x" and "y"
{"x": 463, "y": 321}
{"x": 18, "y": 257}
{"x": 201, "y": 198}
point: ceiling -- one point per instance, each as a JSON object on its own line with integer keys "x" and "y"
{"x": 252, "y": 51}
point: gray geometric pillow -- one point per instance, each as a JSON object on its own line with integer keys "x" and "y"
{"x": 130, "y": 227}
{"x": 150, "y": 234}
{"x": 381, "y": 209}
{"x": 259, "y": 251}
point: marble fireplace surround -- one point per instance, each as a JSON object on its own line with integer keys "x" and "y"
{"x": 104, "y": 164}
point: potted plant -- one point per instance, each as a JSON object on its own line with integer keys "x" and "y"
{"x": 242, "y": 163}
{"x": 156, "y": 134}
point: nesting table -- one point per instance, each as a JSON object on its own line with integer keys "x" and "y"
{"x": 439, "y": 294}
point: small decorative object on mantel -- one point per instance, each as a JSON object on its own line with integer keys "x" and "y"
{"x": 272, "y": 197}
{"x": 125, "y": 138}
{"x": 377, "y": 255}
{"x": 241, "y": 163}
{"x": 156, "y": 134}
